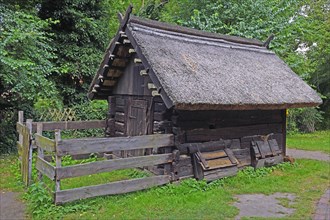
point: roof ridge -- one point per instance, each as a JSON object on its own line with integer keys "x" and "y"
{"x": 191, "y": 31}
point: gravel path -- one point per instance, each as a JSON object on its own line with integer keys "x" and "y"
{"x": 315, "y": 155}
{"x": 11, "y": 207}
{"x": 263, "y": 206}
{"x": 323, "y": 207}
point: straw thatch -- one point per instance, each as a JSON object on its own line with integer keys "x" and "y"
{"x": 200, "y": 70}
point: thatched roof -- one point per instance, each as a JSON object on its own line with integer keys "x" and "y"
{"x": 200, "y": 70}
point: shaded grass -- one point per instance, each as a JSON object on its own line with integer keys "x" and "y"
{"x": 317, "y": 141}
{"x": 9, "y": 174}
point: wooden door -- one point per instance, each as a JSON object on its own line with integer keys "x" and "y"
{"x": 137, "y": 122}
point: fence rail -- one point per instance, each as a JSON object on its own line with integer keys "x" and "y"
{"x": 95, "y": 145}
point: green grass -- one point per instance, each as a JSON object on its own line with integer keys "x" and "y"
{"x": 317, "y": 141}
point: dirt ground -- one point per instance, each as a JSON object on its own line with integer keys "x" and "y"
{"x": 10, "y": 206}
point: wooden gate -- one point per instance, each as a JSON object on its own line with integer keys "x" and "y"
{"x": 24, "y": 147}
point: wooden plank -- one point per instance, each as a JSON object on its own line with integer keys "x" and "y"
{"x": 114, "y": 164}
{"x": 214, "y": 154}
{"x": 45, "y": 143}
{"x": 21, "y": 128}
{"x": 220, "y": 173}
{"x": 231, "y": 156}
{"x": 67, "y": 125}
{"x": 114, "y": 188}
{"x": 219, "y": 163}
{"x": 93, "y": 145}
{"x": 45, "y": 168}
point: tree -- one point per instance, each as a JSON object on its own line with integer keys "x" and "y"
{"x": 25, "y": 63}
{"x": 80, "y": 37}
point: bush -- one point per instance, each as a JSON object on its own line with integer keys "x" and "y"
{"x": 304, "y": 119}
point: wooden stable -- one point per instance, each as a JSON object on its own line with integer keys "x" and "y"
{"x": 224, "y": 98}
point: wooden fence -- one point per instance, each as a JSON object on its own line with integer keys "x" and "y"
{"x": 61, "y": 148}
{"x": 26, "y": 141}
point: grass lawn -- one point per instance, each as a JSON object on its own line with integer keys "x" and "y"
{"x": 317, "y": 141}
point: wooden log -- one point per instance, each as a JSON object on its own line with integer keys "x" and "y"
{"x": 45, "y": 143}
{"x": 94, "y": 145}
{"x": 119, "y": 126}
{"x": 120, "y": 117}
{"x": 110, "y": 165}
{"x": 114, "y": 188}
{"x": 200, "y": 135}
{"x": 68, "y": 125}
{"x": 45, "y": 168}
{"x": 202, "y": 147}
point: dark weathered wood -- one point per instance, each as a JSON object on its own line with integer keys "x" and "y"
{"x": 119, "y": 126}
{"x": 202, "y": 147}
{"x": 114, "y": 188}
{"x": 283, "y": 143}
{"x": 114, "y": 164}
{"x": 231, "y": 156}
{"x": 93, "y": 145}
{"x": 199, "y": 135}
{"x": 220, "y": 173}
{"x": 120, "y": 117}
{"x": 67, "y": 125}
{"x": 45, "y": 143}
{"x": 266, "y": 162}
{"x": 45, "y": 168}
{"x": 168, "y": 102}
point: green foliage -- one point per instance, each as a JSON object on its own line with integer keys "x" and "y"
{"x": 25, "y": 57}
{"x": 304, "y": 119}
{"x": 79, "y": 36}
{"x": 40, "y": 204}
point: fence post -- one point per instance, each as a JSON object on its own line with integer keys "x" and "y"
{"x": 29, "y": 126}
{"x": 20, "y": 120}
{"x": 40, "y": 150}
{"x": 58, "y": 160}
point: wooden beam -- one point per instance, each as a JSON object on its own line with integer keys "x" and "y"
{"x": 151, "y": 86}
{"x": 143, "y": 72}
{"x": 136, "y": 60}
{"x": 131, "y": 51}
{"x": 45, "y": 168}
{"x": 68, "y": 125}
{"x": 45, "y": 143}
{"x": 114, "y": 188}
{"x": 125, "y": 41}
{"x": 93, "y": 145}
{"x": 114, "y": 164}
